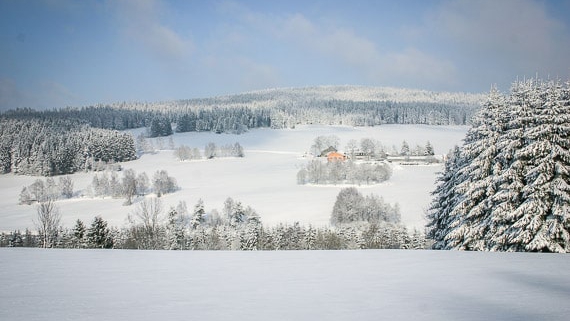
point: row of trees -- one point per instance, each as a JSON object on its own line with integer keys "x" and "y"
{"x": 235, "y": 227}
{"x": 211, "y": 150}
{"x": 43, "y": 190}
{"x": 369, "y": 148}
{"x": 347, "y": 172}
{"x": 224, "y": 237}
{"x": 508, "y": 188}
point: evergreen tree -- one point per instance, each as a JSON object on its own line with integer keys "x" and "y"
{"x": 541, "y": 222}
{"x": 79, "y": 234}
{"x": 405, "y": 149}
{"x": 99, "y": 235}
{"x": 510, "y": 189}
{"x": 428, "y": 149}
{"x": 198, "y": 216}
{"x": 174, "y": 230}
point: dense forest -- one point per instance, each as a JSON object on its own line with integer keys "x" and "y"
{"x": 53, "y": 146}
{"x": 508, "y": 187}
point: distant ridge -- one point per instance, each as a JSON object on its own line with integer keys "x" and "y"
{"x": 268, "y": 98}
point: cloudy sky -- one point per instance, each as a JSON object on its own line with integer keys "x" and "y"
{"x": 57, "y": 53}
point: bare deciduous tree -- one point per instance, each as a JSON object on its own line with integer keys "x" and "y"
{"x": 47, "y": 222}
{"x": 147, "y": 223}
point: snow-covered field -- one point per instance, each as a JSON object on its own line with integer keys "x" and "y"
{"x": 295, "y": 285}
{"x": 265, "y": 179}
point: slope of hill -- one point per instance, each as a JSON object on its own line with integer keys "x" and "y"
{"x": 264, "y": 179}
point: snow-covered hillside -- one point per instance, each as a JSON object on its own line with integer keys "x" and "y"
{"x": 264, "y": 179}
{"x": 284, "y": 285}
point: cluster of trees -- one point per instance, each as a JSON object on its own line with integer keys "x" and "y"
{"x": 184, "y": 153}
{"x": 426, "y": 150}
{"x": 508, "y": 188}
{"x": 211, "y": 150}
{"x": 351, "y": 206}
{"x": 347, "y": 172}
{"x": 43, "y": 190}
{"x": 132, "y": 184}
{"x": 47, "y": 147}
{"x": 221, "y": 120}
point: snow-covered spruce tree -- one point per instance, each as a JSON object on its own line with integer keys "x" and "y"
{"x": 511, "y": 188}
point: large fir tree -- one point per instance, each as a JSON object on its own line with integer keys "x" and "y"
{"x": 510, "y": 183}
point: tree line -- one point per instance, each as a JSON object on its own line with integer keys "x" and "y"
{"x": 374, "y": 225}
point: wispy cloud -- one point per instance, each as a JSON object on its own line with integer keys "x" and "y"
{"x": 141, "y": 23}
{"x": 45, "y": 94}
{"x": 517, "y": 33}
{"x": 10, "y": 95}
{"x": 408, "y": 67}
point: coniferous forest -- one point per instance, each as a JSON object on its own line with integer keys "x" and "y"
{"x": 507, "y": 188}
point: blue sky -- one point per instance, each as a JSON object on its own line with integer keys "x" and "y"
{"x": 57, "y": 53}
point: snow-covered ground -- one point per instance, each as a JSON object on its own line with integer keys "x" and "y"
{"x": 295, "y": 285}
{"x": 265, "y": 179}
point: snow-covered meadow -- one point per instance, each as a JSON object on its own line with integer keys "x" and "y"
{"x": 40, "y": 284}
{"x": 264, "y": 179}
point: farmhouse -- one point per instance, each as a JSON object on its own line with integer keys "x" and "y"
{"x": 336, "y": 157}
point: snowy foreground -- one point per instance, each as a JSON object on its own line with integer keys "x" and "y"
{"x": 265, "y": 179}
{"x": 297, "y": 285}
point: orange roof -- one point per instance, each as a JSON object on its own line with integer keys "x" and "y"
{"x": 335, "y": 156}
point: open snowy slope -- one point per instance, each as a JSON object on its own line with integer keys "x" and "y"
{"x": 265, "y": 179}
{"x": 296, "y": 285}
